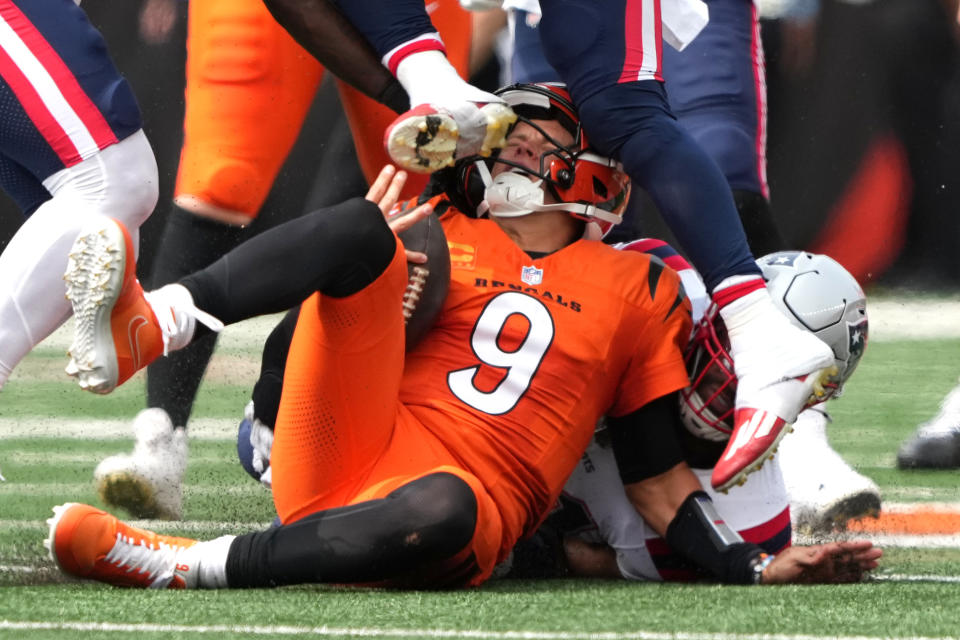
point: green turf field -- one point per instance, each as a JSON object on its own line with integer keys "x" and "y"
{"x": 52, "y": 435}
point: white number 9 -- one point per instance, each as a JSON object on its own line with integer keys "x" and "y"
{"x": 519, "y": 365}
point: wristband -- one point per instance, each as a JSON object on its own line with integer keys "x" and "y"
{"x": 758, "y": 564}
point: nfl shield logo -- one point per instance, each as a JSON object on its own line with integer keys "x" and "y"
{"x": 531, "y": 275}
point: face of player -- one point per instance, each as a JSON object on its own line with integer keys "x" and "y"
{"x": 525, "y": 145}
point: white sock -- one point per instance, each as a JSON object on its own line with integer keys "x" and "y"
{"x": 429, "y": 78}
{"x": 211, "y": 560}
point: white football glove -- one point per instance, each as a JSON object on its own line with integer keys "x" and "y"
{"x": 261, "y": 439}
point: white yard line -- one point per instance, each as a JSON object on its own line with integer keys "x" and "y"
{"x": 34, "y": 427}
{"x": 913, "y": 318}
{"x": 376, "y": 632}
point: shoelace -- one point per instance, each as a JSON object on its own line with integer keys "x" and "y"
{"x": 156, "y": 561}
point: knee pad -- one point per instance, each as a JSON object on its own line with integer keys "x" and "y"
{"x": 441, "y": 509}
{"x": 133, "y": 187}
{"x": 120, "y": 182}
{"x": 237, "y": 132}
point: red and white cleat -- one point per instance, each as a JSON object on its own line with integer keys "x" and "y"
{"x": 781, "y": 370}
{"x": 429, "y": 137}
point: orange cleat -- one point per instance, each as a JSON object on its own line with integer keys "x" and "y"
{"x": 88, "y": 543}
{"x": 116, "y": 332}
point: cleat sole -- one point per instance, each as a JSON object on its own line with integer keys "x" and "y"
{"x": 94, "y": 277}
{"x": 131, "y": 492}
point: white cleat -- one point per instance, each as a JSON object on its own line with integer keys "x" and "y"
{"x": 429, "y": 137}
{"x": 935, "y": 444}
{"x": 94, "y": 278}
{"x": 148, "y": 482}
{"x": 825, "y": 492}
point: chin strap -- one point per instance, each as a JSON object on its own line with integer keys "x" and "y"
{"x": 513, "y": 194}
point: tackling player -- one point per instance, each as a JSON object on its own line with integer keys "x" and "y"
{"x": 424, "y": 470}
{"x": 594, "y": 531}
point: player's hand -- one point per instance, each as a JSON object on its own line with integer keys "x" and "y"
{"x": 832, "y": 562}
{"x": 384, "y": 192}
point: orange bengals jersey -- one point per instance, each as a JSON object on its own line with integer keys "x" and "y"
{"x": 527, "y": 355}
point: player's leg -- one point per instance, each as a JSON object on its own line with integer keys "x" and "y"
{"x": 73, "y": 151}
{"x": 936, "y": 443}
{"x": 826, "y": 500}
{"x": 717, "y": 89}
{"x": 368, "y": 119}
{"x": 237, "y": 134}
{"x": 624, "y": 110}
{"x": 366, "y": 493}
{"x": 335, "y": 250}
{"x": 450, "y": 118}
{"x": 439, "y": 529}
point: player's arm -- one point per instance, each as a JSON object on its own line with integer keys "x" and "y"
{"x": 320, "y": 28}
{"x": 664, "y": 491}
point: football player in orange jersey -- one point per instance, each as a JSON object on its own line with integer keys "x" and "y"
{"x": 249, "y": 86}
{"x": 423, "y": 470}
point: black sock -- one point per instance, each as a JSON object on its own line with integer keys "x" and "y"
{"x": 758, "y": 223}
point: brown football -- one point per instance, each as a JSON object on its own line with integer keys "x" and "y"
{"x": 427, "y": 284}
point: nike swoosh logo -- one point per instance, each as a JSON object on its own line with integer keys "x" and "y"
{"x": 432, "y": 6}
{"x": 133, "y": 338}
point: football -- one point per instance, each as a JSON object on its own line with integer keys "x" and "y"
{"x": 427, "y": 284}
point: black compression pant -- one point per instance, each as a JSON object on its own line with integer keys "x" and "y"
{"x": 417, "y": 536}
{"x": 337, "y": 251}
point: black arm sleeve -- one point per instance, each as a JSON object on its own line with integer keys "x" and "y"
{"x": 320, "y": 28}
{"x": 645, "y": 441}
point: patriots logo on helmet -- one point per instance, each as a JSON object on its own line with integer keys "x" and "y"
{"x": 781, "y": 258}
{"x": 857, "y": 332}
